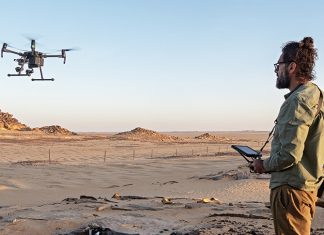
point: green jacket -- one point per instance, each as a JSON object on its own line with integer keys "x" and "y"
{"x": 297, "y": 148}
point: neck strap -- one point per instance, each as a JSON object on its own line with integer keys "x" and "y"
{"x": 269, "y": 136}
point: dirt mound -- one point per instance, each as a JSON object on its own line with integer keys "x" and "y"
{"x": 146, "y": 135}
{"x": 54, "y": 130}
{"x": 208, "y": 136}
{"x": 231, "y": 174}
{"x": 8, "y": 122}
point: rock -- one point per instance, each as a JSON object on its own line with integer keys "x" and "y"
{"x": 96, "y": 229}
{"x": 119, "y": 197}
{"x": 8, "y": 122}
{"x": 88, "y": 197}
{"x": 209, "y": 200}
{"x": 166, "y": 200}
{"x": 208, "y": 136}
{"x": 54, "y": 130}
{"x": 146, "y": 135}
{"x": 101, "y": 208}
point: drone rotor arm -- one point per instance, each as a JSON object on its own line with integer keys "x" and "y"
{"x": 4, "y": 49}
{"x": 47, "y": 56}
{"x": 13, "y": 52}
{"x": 63, "y": 55}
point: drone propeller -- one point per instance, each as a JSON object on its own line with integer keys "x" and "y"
{"x": 32, "y": 37}
{"x": 65, "y": 50}
{"x": 60, "y": 50}
{"x": 32, "y": 42}
{"x": 70, "y": 49}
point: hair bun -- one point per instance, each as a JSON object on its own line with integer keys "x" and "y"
{"x": 307, "y": 42}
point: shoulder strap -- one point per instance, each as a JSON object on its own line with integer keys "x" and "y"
{"x": 320, "y": 102}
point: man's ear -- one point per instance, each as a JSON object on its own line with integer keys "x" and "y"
{"x": 292, "y": 67}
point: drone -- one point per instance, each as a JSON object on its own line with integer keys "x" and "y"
{"x": 33, "y": 58}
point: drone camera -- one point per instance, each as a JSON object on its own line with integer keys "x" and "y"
{"x": 18, "y": 69}
{"x": 20, "y": 61}
{"x": 29, "y": 72}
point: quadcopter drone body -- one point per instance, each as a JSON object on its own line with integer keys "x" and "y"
{"x": 33, "y": 58}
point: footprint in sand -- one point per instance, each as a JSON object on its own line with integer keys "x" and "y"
{"x": 13, "y": 184}
{"x": 116, "y": 186}
{"x": 3, "y": 187}
{"x": 113, "y": 186}
{"x": 168, "y": 182}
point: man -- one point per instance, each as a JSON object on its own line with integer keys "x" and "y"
{"x": 297, "y": 149}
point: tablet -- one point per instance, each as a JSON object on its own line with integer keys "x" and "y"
{"x": 247, "y": 151}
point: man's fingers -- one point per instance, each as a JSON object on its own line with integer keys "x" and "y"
{"x": 252, "y": 168}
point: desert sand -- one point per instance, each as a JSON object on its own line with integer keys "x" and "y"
{"x": 135, "y": 182}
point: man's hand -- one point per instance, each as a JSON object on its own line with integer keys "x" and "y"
{"x": 258, "y": 166}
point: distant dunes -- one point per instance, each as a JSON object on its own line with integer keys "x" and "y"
{"x": 11, "y": 124}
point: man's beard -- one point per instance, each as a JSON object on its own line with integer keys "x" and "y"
{"x": 283, "y": 81}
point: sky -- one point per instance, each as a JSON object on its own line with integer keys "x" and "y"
{"x": 164, "y": 65}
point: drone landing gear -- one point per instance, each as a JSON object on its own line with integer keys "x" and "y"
{"x": 17, "y": 75}
{"x": 43, "y": 79}
{"x": 29, "y": 73}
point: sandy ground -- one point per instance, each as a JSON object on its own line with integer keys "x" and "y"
{"x": 56, "y": 185}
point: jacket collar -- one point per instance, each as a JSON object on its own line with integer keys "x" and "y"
{"x": 289, "y": 94}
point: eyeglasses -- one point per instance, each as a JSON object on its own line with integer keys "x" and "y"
{"x": 276, "y": 65}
